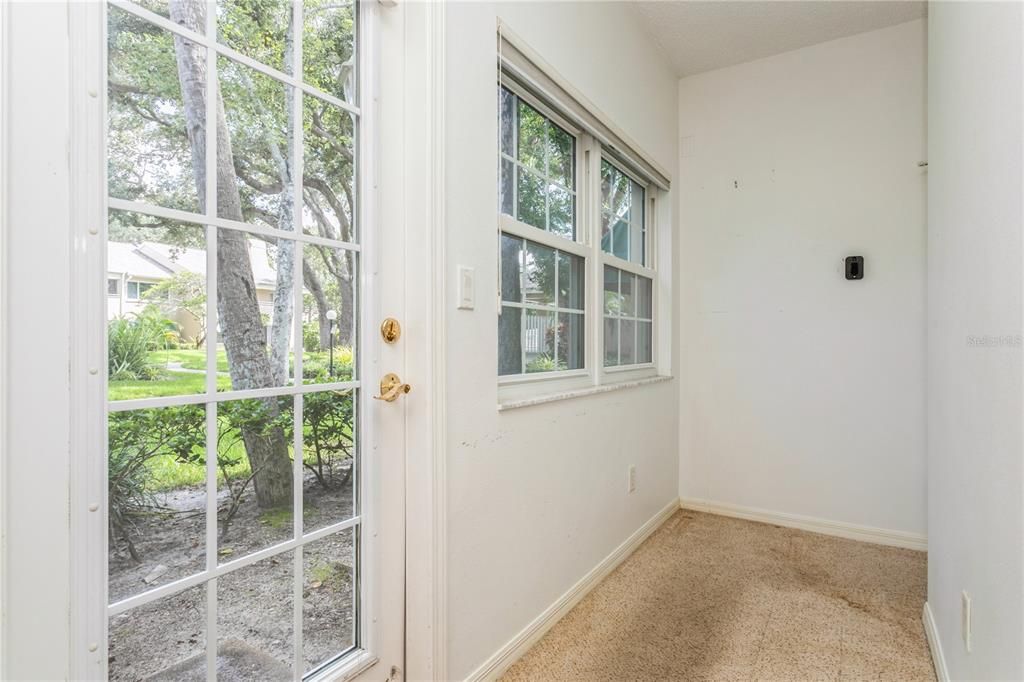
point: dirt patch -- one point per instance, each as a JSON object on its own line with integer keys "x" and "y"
{"x": 255, "y": 605}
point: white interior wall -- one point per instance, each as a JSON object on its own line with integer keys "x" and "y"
{"x": 36, "y": 540}
{"x": 975, "y": 442}
{"x": 802, "y": 392}
{"x": 537, "y": 496}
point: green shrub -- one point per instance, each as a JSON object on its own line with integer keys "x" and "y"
{"x": 327, "y": 423}
{"x": 544, "y": 363}
{"x": 316, "y": 366}
{"x": 131, "y": 338}
{"x": 128, "y": 346}
{"x": 311, "y": 337}
{"x": 134, "y": 438}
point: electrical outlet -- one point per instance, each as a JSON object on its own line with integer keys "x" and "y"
{"x": 632, "y": 479}
{"x": 965, "y": 619}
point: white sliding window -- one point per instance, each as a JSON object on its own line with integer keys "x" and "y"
{"x": 628, "y": 335}
{"x": 541, "y": 325}
{"x": 578, "y": 285}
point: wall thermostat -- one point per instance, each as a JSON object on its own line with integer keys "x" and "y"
{"x": 855, "y": 267}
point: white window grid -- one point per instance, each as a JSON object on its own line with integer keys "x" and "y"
{"x": 636, "y": 318}
{"x": 523, "y": 305}
{"x": 643, "y": 269}
{"x": 644, "y": 235}
{"x": 579, "y": 245}
{"x": 212, "y": 397}
{"x": 519, "y": 167}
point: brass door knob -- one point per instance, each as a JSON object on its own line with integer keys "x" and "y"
{"x": 391, "y": 387}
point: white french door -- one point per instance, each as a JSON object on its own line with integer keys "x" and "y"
{"x": 238, "y": 246}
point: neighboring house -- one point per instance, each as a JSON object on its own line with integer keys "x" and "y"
{"x": 134, "y": 269}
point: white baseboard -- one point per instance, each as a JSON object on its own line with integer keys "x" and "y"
{"x": 879, "y": 536}
{"x": 935, "y": 644}
{"x": 503, "y": 659}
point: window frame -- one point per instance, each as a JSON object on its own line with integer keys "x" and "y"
{"x": 641, "y": 270}
{"x": 140, "y": 294}
{"x": 514, "y": 388}
{"x": 580, "y": 245}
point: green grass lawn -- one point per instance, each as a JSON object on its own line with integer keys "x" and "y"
{"x": 189, "y": 359}
{"x": 169, "y": 474}
{"x": 174, "y": 383}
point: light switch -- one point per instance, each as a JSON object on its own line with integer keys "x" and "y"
{"x": 466, "y": 288}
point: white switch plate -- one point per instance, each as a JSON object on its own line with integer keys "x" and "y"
{"x": 632, "y": 479}
{"x": 965, "y": 619}
{"x": 466, "y": 287}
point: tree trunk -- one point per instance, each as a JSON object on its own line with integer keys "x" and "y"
{"x": 240, "y": 324}
{"x": 346, "y": 316}
{"x": 284, "y": 296}
{"x": 316, "y": 289}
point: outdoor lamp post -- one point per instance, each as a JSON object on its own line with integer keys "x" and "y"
{"x": 332, "y": 315}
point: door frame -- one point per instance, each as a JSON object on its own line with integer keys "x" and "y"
{"x": 44, "y": 631}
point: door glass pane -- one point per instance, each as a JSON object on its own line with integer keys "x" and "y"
{"x": 162, "y": 7}
{"x": 328, "y": 598}
{"x": 329, "y": 458}
{"x": 254, "y": 479}
{"x": 329, "y": 171}
{"x": 156, "y": 335}
{"x": 329, "y": 317}
{"x": 156, "y": 497}
{"x": 256, "y": 636}
{"x": 258, "y": 29}
{"x": 256, "y": 302}
{"x": 329, "y": 47}
{"x": 149, "y": 158}
{"x": 258, "y": 115}
{"x": 162, "y": 640}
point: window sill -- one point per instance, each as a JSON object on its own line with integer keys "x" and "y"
{"x": 579, "y": 393}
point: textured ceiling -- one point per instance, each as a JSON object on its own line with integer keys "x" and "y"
{"x": 701, "y": 36}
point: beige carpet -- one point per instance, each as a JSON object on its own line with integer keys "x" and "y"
{"x": 712, "y": 598}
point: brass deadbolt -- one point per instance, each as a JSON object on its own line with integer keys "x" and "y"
{"x": 390, "y": 330}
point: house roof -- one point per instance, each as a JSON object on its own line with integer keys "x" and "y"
{"x": 156, "y": 261}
